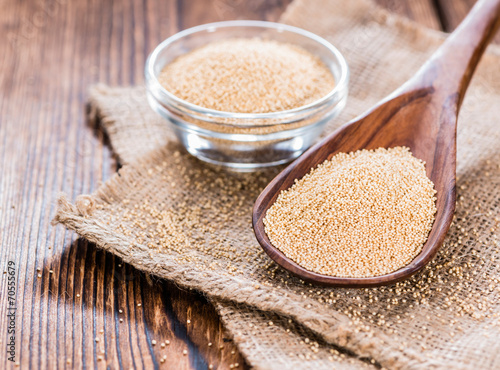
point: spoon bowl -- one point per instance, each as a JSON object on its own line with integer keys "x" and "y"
{"x": 421, "y": 115}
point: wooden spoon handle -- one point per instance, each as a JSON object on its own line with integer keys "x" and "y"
{"x": 451, "y": 67}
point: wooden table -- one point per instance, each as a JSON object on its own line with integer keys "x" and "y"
{"x": 77, "y": 306}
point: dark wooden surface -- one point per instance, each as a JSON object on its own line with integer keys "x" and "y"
{"x": 77, "y": 306}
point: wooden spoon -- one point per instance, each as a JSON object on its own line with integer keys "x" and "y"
{"x": 422, "y": 115}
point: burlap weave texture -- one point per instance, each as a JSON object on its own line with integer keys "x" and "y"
{"x": 170, "y": 215}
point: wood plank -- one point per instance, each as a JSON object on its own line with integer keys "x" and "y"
{"x": 195, "y": 12}
{"x": 452, "y": 12}
{"x": 421, "y": 11}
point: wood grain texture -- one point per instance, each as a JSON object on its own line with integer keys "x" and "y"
{"x": 52, "y": 50}
{"x": 452, "y": 12}
{"x": 421, "y": 11}
{"x": 421, "y": 115}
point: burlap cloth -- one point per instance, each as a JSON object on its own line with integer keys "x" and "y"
{"x": 172, "y": 216}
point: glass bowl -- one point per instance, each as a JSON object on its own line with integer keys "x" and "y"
{"x": 245, "y": 141}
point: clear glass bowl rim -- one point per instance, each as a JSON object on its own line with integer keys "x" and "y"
{"x": 155, "y": 85}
